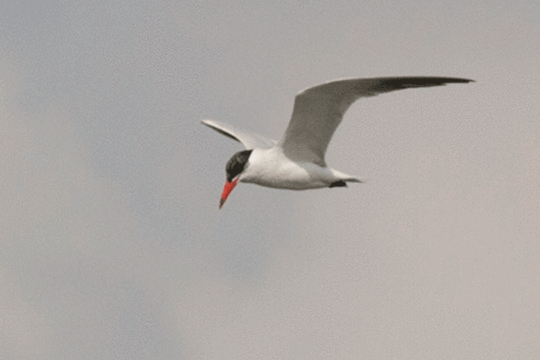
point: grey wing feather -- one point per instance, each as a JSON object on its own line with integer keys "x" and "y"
{"x": 319, "y": 110}
{"x": 248, "y": 139}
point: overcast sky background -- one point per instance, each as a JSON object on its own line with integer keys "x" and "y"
{"x": 111, "y": 242}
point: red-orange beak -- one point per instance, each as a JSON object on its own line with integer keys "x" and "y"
{"x": 229, "y": 186}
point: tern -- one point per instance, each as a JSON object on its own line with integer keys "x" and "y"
{"x": 296, "y": 162}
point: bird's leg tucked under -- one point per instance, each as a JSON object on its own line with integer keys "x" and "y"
{"x": 339, "y": 183}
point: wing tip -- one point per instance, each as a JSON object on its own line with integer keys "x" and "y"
{"x": 461, "y": 80}
{"x": 220, "y": 129}
{"x": 434, "y": 80}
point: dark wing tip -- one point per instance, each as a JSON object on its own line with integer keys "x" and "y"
{"x": 407, "y": 82}
{"x": 428, "y": 80}
{"x": 456, "y": 80}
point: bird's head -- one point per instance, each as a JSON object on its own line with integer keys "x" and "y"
{"x": 234, "y": 169}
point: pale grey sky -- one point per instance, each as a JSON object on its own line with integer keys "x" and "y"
{"x": 111, "y": 242}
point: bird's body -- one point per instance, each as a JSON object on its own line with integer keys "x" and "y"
{"x": 297, "y": 162}
{"x": 272, "y": 168}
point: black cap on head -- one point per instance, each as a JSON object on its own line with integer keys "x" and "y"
{"x": 237, "y": 163}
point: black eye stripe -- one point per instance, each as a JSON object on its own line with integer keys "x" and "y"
{"x": 237, "y": 163}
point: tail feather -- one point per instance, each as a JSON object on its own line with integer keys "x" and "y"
{"x": 342, "y": 177}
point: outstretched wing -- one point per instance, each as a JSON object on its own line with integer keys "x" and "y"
{"x": 318, "y": 111}
{"x": 248, "y": 139}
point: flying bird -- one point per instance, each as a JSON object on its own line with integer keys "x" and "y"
{"x": 296, "y": 162}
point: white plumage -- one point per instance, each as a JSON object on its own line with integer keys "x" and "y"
{"x": 297, "y": 162}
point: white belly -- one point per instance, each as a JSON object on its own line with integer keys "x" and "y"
{"x": 271, "y": 168}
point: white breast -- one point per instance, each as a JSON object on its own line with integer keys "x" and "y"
{"x": 269, "y": 167}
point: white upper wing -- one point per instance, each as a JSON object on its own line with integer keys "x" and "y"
{"x": 318, "y": 111}
{"x": 248, "y": 139}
